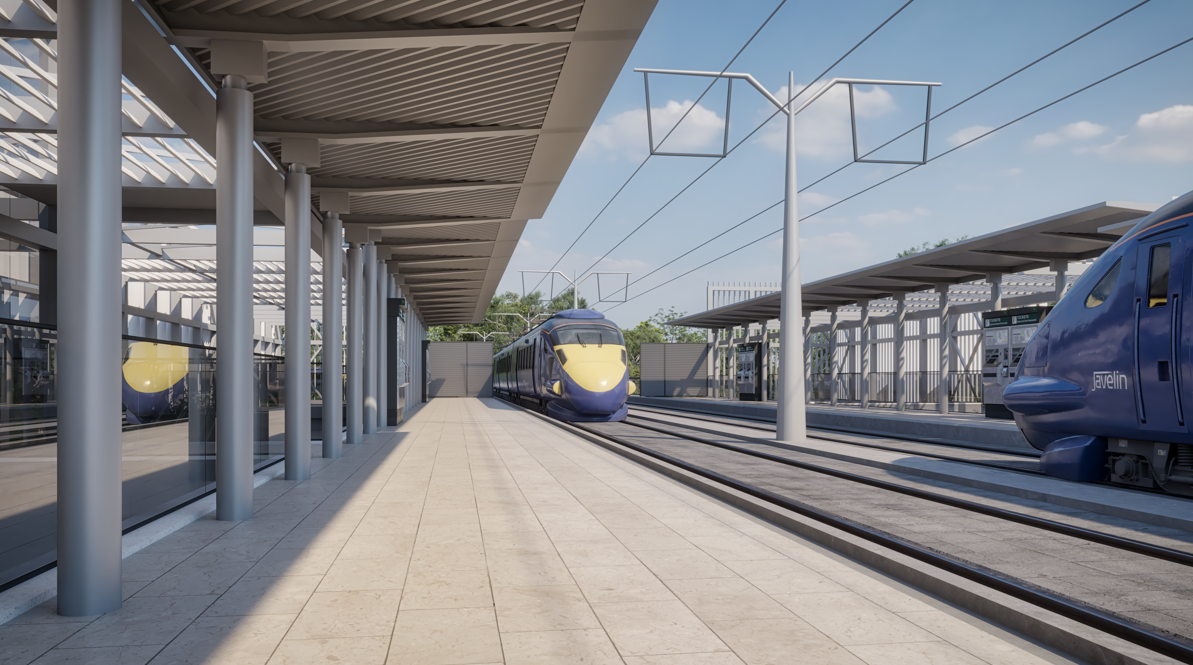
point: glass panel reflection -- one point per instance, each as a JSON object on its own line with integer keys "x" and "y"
{"x": 168, "y": 434}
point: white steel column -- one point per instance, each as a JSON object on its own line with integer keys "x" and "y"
{"x": 900, "y": 351}
{"x": 833, "y": 360}
{"x": 864, "y": 348}
{"x": 946, "y": 342}
{"x": 792, "y": 419}
{"x": 355, "y": 364}
{"x": 995, "y": 279}
{"x": 89, "y": 318}
{"x": 298, "y": 323}
{"x": 764, "y": 376}
{"x": 369, "y": 293}
{"x": 1060, "y": 267}
{"x": 235, "y": 392}
{"x": 382, "y": 350}
{"x": 333, "y": 351}
{"x": 807, "y": 360}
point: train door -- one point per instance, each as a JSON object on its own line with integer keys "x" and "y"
{"x": 1158, "y": 303}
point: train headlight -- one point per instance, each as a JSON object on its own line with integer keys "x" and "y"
{"x": 633, "y": 387}
{"x": 557, "y": 388}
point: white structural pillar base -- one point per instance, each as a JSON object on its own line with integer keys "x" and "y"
{"x": 298, "y": 323}
{"x": 355, "y": 363}
{"x": 333, "y": 338}
{"x": 89, "y": 318}
{"x": 235, "y": 390}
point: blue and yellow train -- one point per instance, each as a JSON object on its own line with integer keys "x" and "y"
{"x": 1105, "y": 385}
{"x": 154, "y": 386}
{"x": 572, "y": 367}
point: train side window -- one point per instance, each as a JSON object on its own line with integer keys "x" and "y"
{"x": 1104, "y": 287}
{"x": 1157, "y": 281}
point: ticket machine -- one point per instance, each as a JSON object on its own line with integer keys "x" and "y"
{"x": 1005, "y": 334}
{"x": 749, "y": 372}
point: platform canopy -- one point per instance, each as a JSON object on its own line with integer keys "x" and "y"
{"x": 1074, "y": 236}
{"x": 448, "y": 124}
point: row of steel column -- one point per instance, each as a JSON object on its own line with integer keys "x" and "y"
{"x": 946, "y": 342}
{"x": 89, "y": 415}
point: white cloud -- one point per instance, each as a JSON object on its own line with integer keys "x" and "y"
{"x": 1082, "y": 129}
{"x": 822, "y": 130}
{"x": 968, "y": 134}
{"x": 1165, "y": 136}
{"x": 1046, "y": 140}
{"x": 893, "y": 216}
{"x": 625, "y": 133}
{"x": 833, "y": 244}
{"x": 815, "y": 200}
{"x": 1013, "y": 172}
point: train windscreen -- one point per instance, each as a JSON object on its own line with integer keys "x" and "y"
{"x": 585, "y": 334}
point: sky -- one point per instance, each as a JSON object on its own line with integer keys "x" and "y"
{"x": 1129, "y": 139}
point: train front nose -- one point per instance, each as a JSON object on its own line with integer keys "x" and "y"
{"x": 593, "y": 378}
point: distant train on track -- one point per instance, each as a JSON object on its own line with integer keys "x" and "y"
{"x": 572, "y": 367}
{"x": 1105, "y": 386}
{"x": 154, "y": 386}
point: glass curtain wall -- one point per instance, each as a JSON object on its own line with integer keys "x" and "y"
{"x": 168, "y": 441}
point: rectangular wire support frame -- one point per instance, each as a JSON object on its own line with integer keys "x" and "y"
{"x": 650, "y": 128}
{"x": 926, "y": 125}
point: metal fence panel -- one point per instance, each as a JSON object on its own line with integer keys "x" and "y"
{"x": 480, "y": 369}
{"x": 447, "y": 375}
{"x": 685, "y": 372}
{"x": 653, "y": 370}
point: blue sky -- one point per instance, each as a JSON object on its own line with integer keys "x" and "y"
{"x": 1129, "y": 139}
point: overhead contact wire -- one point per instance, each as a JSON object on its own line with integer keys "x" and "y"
{"x": 905, "y": 172}
{"x": 793, "y": 95}
{"x": 668, "y": 135}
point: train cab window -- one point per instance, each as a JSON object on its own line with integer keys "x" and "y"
{"x": 1105, "y": 286}
{"x": 1157, "y": 279}
{"x": 586, "y": 334}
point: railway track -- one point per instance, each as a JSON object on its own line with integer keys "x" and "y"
{"x": 1011, "y": 461}
{"x": 771, "y": 475}
{"x": 1021, "y": 462}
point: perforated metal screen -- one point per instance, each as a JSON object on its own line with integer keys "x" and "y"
{"x": 674, "y": 370}
{"x": 460, "y": 369}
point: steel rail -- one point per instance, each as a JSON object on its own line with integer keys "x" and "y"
{"x": 1103, "y": 483}
{"x": 1128, "y": 544}
{"x": 841, "y": 430}
{"x": 1006, "y": 466}
{"x": 1076, "y": 611}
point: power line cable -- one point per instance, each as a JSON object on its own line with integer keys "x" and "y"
{"x": 905, "y": 172}
{"x": 805, "y": 188}
{"x": 792, "y": 97}
{"x": 671, "y": 131}
{"x": 867, "y": 154}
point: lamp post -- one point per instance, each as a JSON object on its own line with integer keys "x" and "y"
{"x": 792, "y": 417}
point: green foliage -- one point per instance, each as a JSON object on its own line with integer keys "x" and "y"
{"x": 655, "y": 329}
{"x": 507, "y": 328}
{"x": 927, "y": 246}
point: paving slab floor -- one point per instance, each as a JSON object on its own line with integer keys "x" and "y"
{"x": 475, "y": 533}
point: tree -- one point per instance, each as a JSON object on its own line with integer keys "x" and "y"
{"x": 529, "y": 307}
{"x": 655, "y": 329}
{"x": 910, "y": 251}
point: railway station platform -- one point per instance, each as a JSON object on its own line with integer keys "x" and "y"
{"x": 475, "y": 532}
{"x": 967, "y": 428}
